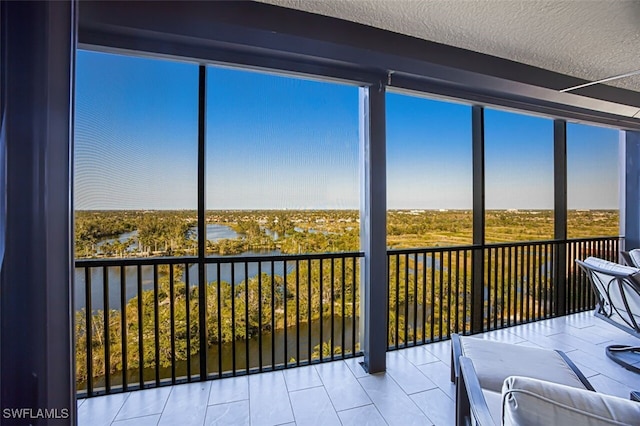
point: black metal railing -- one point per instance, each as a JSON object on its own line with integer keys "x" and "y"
{"x": 139, "y": 322}
{"x": 431, "y": 289}
{"x": 149, "y": 322}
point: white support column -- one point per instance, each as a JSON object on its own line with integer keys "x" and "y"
{"x": 373, "y": 227}
{"x": 630, "y": 188}
{"x": 36, "y": 298}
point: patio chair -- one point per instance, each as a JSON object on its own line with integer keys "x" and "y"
{"x": 617, "y": 288}
{"x": 505, "y": 384}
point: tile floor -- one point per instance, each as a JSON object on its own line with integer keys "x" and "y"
{"x": 415, "y": 390}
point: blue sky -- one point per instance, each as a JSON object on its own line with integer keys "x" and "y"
{"x": 276, "y": 142}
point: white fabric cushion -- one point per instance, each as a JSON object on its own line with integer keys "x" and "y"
{"x": 528, "y": 402}
{"x": 495, "y": 361}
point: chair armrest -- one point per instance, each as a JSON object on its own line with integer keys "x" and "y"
{"x": 456, "y": 353}
{"x": 470, "y": 397}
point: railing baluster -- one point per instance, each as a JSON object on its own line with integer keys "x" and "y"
{"x": 502, "y": 287}
{"x": 123, "y": 327}
{"x": 284, "y": 302}
{"x": 321, "y": 289}
{"x": 309, "y": 309}
{"x": 466, "y": 289}
{"x": 405, "y": 340}
{"x": 233, "y": 321}
{"x": 218, "y": 314}
{"x": 333, "y": 302}
{"x": 246, "y": 317}
{"x": 107, "y": 334}
{"x": 510, "y": 281}
{"x": 298, "y": 312}
{"x": 172, "y": 318}
{"x": 397, "y": 329}
{"x": 522, "y": 284}
{"x": 89, "y": 329}
{"x": 449, "y": 310}
{"x": 342, "y": 301}
{"x": 489, "y": 291}
{"x": 260, "y": 316}
{"x": 187, "y": 290}
{"x": 497, "y": 301}
{"x": 433, "y": 296}
{"x": 273, "y": 316}
{"x": 441, "y": 270}
{"x": 140, "y": 329}
{"x": 424, "y": 297}
{"x": 156, "y": 323}
{"x": 415, "y": 298}
{"x": 354, "y": 324}
{"x": 342, "y": 297}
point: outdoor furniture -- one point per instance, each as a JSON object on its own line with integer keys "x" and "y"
{"x": 505, "y": 384}
{"x": 524, "y": 401}
{"x": 618, "y": 290}
{"x": 631, "y": 257}
{"x": 494, "y": 362}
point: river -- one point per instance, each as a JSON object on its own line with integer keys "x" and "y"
{"x": 214, "y": 233}
{"x": 254, "y": 351}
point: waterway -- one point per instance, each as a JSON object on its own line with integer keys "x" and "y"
{"x": 273, "y": 351}
{"x": 214, "y": 233}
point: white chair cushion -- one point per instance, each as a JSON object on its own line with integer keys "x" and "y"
{"x": 495, "y": 361}
{"x": 528, "y": 402}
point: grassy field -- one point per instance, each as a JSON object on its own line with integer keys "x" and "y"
{"x": 444, "y": 228}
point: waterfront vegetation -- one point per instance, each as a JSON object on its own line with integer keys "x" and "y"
{"x": 172, "y": 233}
{"x": 427, "y": 295}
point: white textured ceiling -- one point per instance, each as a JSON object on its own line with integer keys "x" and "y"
{"x": 588, "y": 39}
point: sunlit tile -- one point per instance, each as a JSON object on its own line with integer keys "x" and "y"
{"x": 313, "y": 407}
{"x": 101, "y": 410}
{"x": 395, "y": 406}
{"x": 341, "y": 385}
{"x": 187, "y": 404}
{"x": 301, "y": 378}
{"x": 144, "y": 403}
{"x": 269, "y": 399}
{"x": 232, "y": 413}
{"x": 229, "y": 390}
{"x": 367, "y": 415}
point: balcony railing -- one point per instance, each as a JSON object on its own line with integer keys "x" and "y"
{"x": 431, "y": 290}
{"x": 149, "y": 322}
{"x": 145, "y": 325}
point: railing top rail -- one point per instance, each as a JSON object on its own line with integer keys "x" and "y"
{"x": 432, "y": 249}
{"x": 135, "y": 261}
{"x": 497, "y": 245}
{"x": 283, "y": 257}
